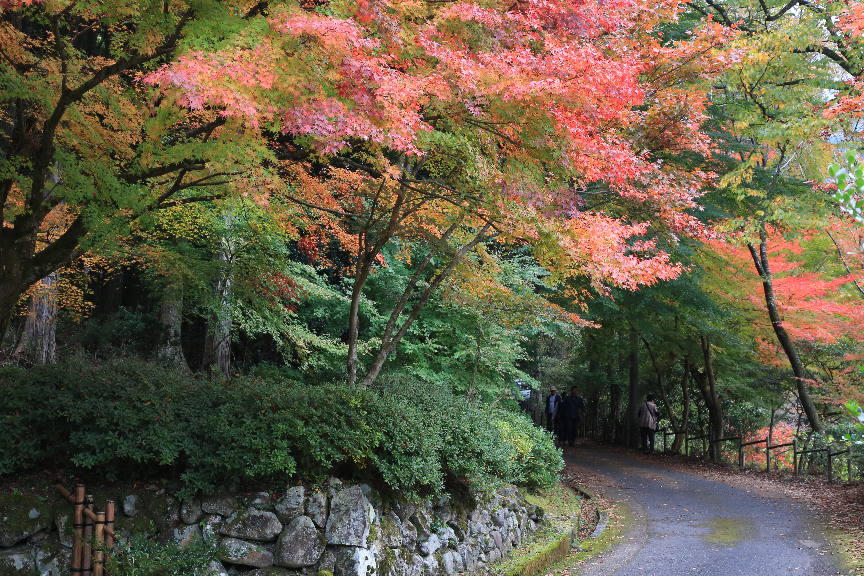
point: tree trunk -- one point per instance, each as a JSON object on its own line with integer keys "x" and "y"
{"x": 760, "y": 259}
{"x": 217, "y": 347}
{"x": 634, "y": 396}
{"x": 593, "y": 403}
{"x": 171, "y": 316}
{"x": 676, "y": 444}
{"x": 393, "y": 334}
{"x": 708, "y": 386}
{"x": 38, "y": 344}
{"x": 222, "y": 329}
{"x": 685, "y": 414}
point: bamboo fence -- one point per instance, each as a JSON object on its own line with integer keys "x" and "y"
{"x": 93, "y": 535}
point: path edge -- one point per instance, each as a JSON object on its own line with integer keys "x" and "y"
{"x": 556, "y": 551}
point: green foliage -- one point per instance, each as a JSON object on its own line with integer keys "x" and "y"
{"x": 850, "y": 186}
{"x": 142, "y": 418}
{"x": 856, "y": 412}
{"x": 141, "y": 556}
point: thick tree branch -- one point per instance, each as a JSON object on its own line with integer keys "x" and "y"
{"x": 843, "y": 260}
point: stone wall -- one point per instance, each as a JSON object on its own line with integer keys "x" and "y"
{"x": 339, "y": 531}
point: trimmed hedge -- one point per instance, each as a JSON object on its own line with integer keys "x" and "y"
{"x": 139, "y": 418}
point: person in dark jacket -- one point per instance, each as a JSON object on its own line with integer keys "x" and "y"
{"x": 573, "y": 407}
{"x": 561, "y": 421}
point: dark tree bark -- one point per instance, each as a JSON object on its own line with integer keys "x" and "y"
{"x": 708, "y": 387}
{"x": 673, "y": 421}
{"x": 685, "y": 414}
{"x": 393, "y": 333}
{"x": 634, "y": 398}
{"x": 759, "y": 254}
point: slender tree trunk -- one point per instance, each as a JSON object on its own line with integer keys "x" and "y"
{"x": 171, "y": 316}
{"x": 393, "y": 334}
{"x": 634, "y": 399}
{"x": 771, "y": 426}
{"x": 593, "y": 404}
{"x": 760, "y": 259}
{"x": 671, "y": 413}
{"x": 38, "y": 344}
{"x": 616, "y": 393}
{"x": 472, "y": 387}
{"x": 685, "y": 414}
{"x": 708, "y": 386}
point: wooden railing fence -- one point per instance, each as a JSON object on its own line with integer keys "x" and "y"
{"x": 93, "y": 534}
{"x": 796, "y": 452}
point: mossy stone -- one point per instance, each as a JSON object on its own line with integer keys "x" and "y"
{"x": 387, "y": 562}
{"x": 139, "y": 524}
{"x": 164, "y": 510}
{"x": 21, "y": 517}
{"x": 17, "y": 561}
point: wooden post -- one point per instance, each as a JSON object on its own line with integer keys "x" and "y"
{"x": 86, "y": 558}
{"x": 99, "y": 554}
{"x": 686, "y": 445}
{"x": 849, "y": 467}
{"x": 78, "y": 526}
{"x": 830, "y": 464}
{"x": 109, "y": 524}
{"x": 767, "y": 458}
{"x": 741, "y": 453}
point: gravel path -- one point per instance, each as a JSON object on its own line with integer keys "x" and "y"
{"x": 683, "y": 524}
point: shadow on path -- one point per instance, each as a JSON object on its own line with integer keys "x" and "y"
{"x": 685, "y": 524}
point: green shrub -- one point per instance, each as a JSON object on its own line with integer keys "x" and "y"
{"x": 139, "y": 418}
{"x": 142, "y": 556}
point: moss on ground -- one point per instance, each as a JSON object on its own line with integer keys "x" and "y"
{"x": 561, "y": 506}
{"x": 592, "y": 548}
{"x": 847, "y": 550}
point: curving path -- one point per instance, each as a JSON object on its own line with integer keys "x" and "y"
{"x": 682, "y": 524}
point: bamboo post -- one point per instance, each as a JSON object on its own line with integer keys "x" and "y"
{"x": 99, "y": 555}
{"x": 78, "y": 526}
{"x": 109, "y": 524}
{"x": 86, "y": 558}
{"x": 109, "y": 528}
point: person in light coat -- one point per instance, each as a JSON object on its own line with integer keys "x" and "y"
{"x": 647, "y": 421}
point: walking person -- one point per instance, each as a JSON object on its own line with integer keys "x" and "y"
{"x": 561, "y": 420}
{"x": 647, "y": 420}
{"x": 552, "y": 405}
{"x": 574, "y": 407}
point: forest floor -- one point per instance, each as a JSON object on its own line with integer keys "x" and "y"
{"x": 736, "y": 515}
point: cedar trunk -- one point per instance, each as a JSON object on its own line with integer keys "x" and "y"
{"x": 171, "y": 316}
{"x": 38, "y": 343}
